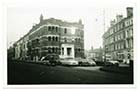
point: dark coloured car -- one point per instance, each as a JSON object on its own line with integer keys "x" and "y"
{"x": 100, "y": 63}
{"x": 87, "y": 62}
{"x": 44, "y": 60}
{"x": 53, "y": 59}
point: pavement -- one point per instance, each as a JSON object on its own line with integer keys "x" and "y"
{"x": 123, "y": 65}
{"x": 90, "y": 68}
{"x": 27, "y": 73}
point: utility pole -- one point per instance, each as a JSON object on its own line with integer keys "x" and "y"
{"x": 104, "y": 19}
{"x": 104, "y": 33}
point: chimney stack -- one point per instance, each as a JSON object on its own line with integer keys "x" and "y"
{"x": 129, "y": 11}
{"x": 41, "y": 17}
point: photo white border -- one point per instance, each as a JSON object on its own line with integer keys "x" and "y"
{"x": 87, "y": 3}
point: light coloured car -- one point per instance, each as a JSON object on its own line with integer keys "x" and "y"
{"x": 86, "y": 62}
{"x": 91, "y": 63}
{"x": 69, "y": 62}
{"x": 112, "y": 63}
{"x": 83, "y": 62}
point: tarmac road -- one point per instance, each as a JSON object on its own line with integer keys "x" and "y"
{"x": 27, "y": 73}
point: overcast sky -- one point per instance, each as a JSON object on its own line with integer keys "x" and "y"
{"x": 20, "y": 21}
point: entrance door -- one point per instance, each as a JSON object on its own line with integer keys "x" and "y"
{"x": 68, "y": 51}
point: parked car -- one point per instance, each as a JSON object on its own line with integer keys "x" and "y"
{"x": 45, "y": 61}
{"x": 111, "y": 63}
{"x": 69, "y": 62}
{"x": 86, "y": 62}
{"x": 83, "y": 62}
{"x": 51, "y": 59}
{"x": 100, "y": 63}
{"x": 91, "y": 63}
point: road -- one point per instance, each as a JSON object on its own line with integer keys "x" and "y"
{"x": 27, "y": 73}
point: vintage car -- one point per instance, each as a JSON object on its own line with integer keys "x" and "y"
{"x": 111, "y": 63}
{"x": 69, "y": 62}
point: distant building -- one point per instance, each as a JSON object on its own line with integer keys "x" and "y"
{"x": 11, "y": 53}
{"x": 52, "y": 36}
{"x": 95, "y": 54}
{"x": 118, "y": 40}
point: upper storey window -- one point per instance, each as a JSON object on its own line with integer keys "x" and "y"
{"x": 73, "y": 31}
{"x": 52, "y": 27}
{"x": 65, "y": 30}
{"x": 56, "y": 29}
{"x": 49, "y": 28}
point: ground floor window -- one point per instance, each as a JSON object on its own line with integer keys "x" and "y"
{"x": 62, "y": 51}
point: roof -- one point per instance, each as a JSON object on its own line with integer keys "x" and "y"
{"x": 57, "y": 22}
{"x": 52, "y": 21}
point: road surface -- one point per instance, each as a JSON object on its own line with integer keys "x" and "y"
{"x": 28, "y": 73}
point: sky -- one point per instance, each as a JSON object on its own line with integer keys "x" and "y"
{"x": 21, "y": 19}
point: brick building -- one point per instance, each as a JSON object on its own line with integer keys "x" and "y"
{"x": 52, "y": 36}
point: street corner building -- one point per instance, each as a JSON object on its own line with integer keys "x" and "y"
{"x": 51, "y": 37}
{"x": 118, "y": 39}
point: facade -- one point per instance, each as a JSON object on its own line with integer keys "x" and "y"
{"x": 52, "y": 37}
{"x": 20, "y": 48}
{"x": 118, "y": 39}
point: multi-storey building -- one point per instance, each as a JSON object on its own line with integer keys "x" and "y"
{"x": 52, "y": 36}
{"x": 118, "y": 39}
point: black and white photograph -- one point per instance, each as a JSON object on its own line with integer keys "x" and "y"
{"x": 70, "y": 44}
{"x": 70, "y": 47}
